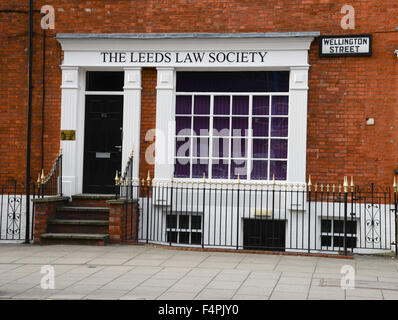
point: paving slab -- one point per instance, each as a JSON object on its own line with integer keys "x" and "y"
{"x": 249, "y": 297}
{"x": 144, "y": 272}
{"x": 258, "y": 291}
{"x": 175, "y": 295}
{"x": 215, "y": 294}
{"x": 277, "y": 295}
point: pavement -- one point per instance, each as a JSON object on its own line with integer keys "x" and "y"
{"x": 130, "y": 272}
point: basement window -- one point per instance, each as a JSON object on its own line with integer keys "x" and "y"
{"x": 332, "y": 234}
{"x": 184, "y": 228}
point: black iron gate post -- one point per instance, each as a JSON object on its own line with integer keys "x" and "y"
{"x": 345, "y": 213}
{"x": 395, "y": 215}
{"x": 309, "y": 214}
{"x": 237, "y": 216}
{"x": 204, "y": 204}
{"x": 171, "y": 208}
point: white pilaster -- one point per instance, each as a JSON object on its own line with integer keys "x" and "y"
{"x": 165, "y": 124}
{"x": 298, "y": 124}
{"x": 69, "y": 105}
{"x": 132, "y": 117}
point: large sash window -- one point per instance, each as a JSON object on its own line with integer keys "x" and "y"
{"x": 224, "y": 133}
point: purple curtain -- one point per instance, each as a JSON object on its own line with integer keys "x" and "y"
{"x": 201, "y": 126}
{"x": 260, "y": 105}
{"x": 183, "y": 126}
{"x": 199, "y": 166}
{"x": 279, "y": 148}
{"x": 259, "y": 170}
{"x": 239, "y": 148}
{"x": 240, "y": 105}
{"x": 220, "y": 170}
{"x": 222, "y": 105}
{"x": 200, "y": 147}
{"x": 181, "y": 168}
{"x": 182, "y": 147}
{"x": 220, "y": 148}
{"x": 260, "y": 127}
{"x": 279, "y": 127}
{"x": 221, "y": 126}
{"x": 184, "y": 105}
{"x": 238, "y": 167}
{"x": 280, "y": 105}
{"x": 279, "y": 168}
{"x": 260, "y": 148}
{"x": 202, "y": 105}
{"x": 240, "y": 126}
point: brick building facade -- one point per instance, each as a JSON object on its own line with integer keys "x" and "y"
{"x": 343, "y": 92}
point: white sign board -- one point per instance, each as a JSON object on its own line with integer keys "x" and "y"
{"x": 345, "y": 46}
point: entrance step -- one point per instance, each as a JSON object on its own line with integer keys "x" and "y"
{"x": 85, "y": 220}
{"x": 74, "y": 238}
{"x": 91, "y": 200}
{"x": 78, "y": 226}
{"x": 82, "y": 213}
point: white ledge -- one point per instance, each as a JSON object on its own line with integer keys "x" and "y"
{"x": 151, "y": 36}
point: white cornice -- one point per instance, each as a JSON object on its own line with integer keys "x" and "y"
{"x": 151, "y": 36}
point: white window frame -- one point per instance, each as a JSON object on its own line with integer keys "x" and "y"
{"x": 249, "y": 138}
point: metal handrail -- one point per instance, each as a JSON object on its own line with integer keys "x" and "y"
{"x": 51, "y": 184}
{"x": 126, "y": 178}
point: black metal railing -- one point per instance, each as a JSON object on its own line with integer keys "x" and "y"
{"x": 124, "y": 183}
{"x": 15, "y": 223}
{"x": 51, "y": 184}
{"x": 278, "y": 217}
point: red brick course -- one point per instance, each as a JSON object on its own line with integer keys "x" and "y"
{"x": 45, "y": 209}
{"x": 343, "y": 91}
{"x": 123, "y": 221}
{"x": 148, "y": 117}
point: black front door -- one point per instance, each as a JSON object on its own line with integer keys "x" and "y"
{"x": 263, "y": 234}
{"x": 102, "y": 143}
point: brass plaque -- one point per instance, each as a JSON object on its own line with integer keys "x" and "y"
{"x": 263, "y": 213}
{"x": 68, "y": 134}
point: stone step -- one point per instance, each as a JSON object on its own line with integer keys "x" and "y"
{"x": 74, "y": 238}
{"x": 92, "y": 200}
{"x": 82, "y": 213}
{"x": 78, "y": 226}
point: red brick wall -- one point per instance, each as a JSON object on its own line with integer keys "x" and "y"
{"x": 45, "y": 209}
{"x": 343, "y": 91}
{"x": 148, "y": 118}
{"x": 123, "y": 221}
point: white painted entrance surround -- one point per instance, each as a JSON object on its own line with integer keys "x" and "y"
{"x": 82, "y": 52}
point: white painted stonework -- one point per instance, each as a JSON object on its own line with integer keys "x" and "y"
{"x": 263, "y": 52}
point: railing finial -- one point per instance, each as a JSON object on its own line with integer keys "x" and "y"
{"x": 117, "y": 180}
{"x": 345, "y": 185}
{"x": 148, "y": 179}
{"x": 395, "y": 184}
{"x": 42, "y": 178}
{"x": 352, "y": 184}
{"x": 204, "y": 177}
{"x": 309, "y": 184}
